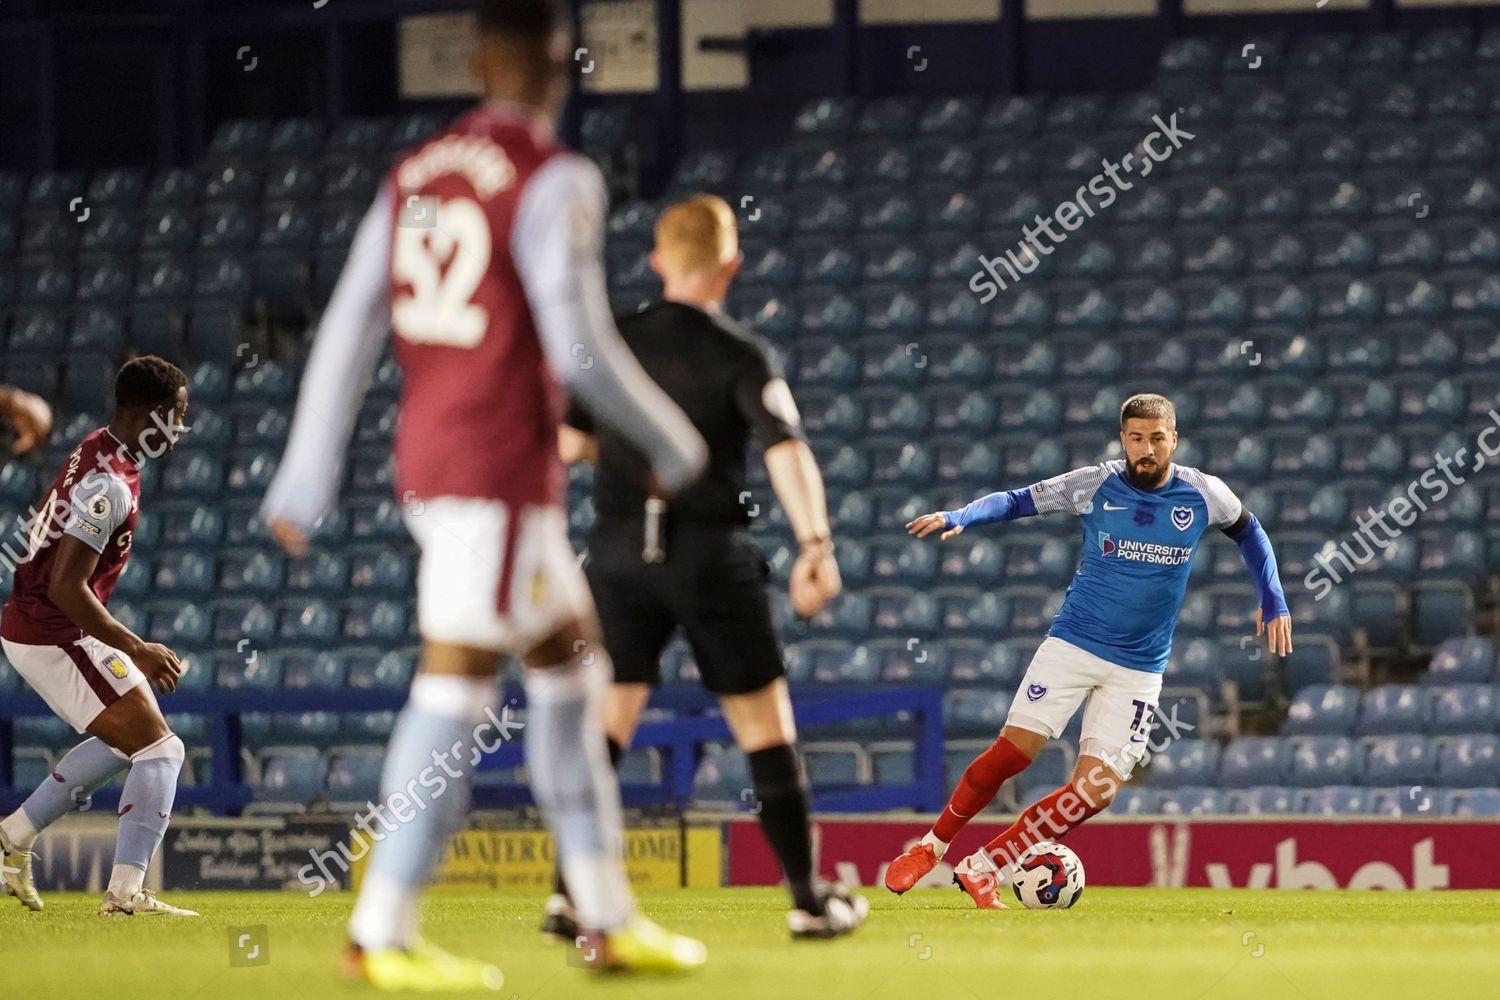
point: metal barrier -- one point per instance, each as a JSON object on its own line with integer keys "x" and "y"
{"x": 680, "y": 739}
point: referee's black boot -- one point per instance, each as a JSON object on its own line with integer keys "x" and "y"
{"x": 843, "y": 912}
{"x": 561, "y": 921}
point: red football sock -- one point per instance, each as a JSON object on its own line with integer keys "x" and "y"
{"x": 1043, "y": 820}
{"x": 976, "y": 789}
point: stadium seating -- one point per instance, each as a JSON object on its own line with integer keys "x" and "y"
{"x": 1321, "y": 336}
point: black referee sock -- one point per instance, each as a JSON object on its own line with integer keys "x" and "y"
{"x": 615, "y": 753}
{"x": 781, "y": 794}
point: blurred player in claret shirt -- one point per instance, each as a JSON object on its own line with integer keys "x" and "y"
{"x": 90, "y": 669}
{"x": 482, "y": 253}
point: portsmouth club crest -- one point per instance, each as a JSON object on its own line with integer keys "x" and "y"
{"x": 1182, "y": 518}
{"x": 1036, "y": 692}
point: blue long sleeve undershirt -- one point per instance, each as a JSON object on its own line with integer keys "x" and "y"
{"x": 1006, "y": 505}
{"x": 1255, "y": 549}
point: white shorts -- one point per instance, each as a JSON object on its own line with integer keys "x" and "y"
{"x": 492, "y": 582}
{"x": 77, "y": 680}
{"x": 1121, "y": 702}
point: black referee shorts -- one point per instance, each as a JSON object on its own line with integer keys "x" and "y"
{"x": 712, "y": 584}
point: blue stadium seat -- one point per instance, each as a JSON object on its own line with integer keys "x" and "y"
{"x": 354, "y": 774}
{"x": 975, "y": 711}
{"x": 1264, "y": 800}
{"x": 1468, "y": 761}
{"x": 1254, "y": 760}
{"x": 314, "y": 622}
{"x": 291, "y": 774}
{"x": 1477, "y": 802}
{"x": 1336, "y": 800}
{"x": 1462, "y": 659}
{"x": 1184, "y": 762}
{"x": 1194, "y": 801}
{"x": 1132, "y": 801}
{"x": 1464, "y": 708}
{"x": 1322, "y": 710}
{"x": 1393, "y": 708}
{"x": 1323, "y": 760}
{"x": 252, "y": 670}
{"x": 374, "y": 670}
{"x": 1398, "y": 760}
{"x": 722, "y": 776}
{"x": 301, "y": 670}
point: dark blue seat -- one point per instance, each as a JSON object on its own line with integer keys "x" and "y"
{"x": 1393, "y": 708}
{"x": 291, "y": 774}
{"x": 1323, "y": 760}
{"x": 1194, "y": 801}
{"x": 1398, "y": 760}
{"x": 1254, "y": 760}
{"x": 1322, "y": 710}
{"x": 1468, "y": 761}
{"x": 1264, "y": 800}
{"x": 1462, "y": 659}
{"x": 1464, "y": 708}
{"x": 1184, "y": 762}
{"x": 1336, "y": 800}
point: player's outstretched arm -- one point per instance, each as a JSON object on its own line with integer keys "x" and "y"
{"x": 347, "y": 347}
{"x": 556, "y": 243}
{"x": 1003, "y": 506}
{"x": 1272, "y": 617}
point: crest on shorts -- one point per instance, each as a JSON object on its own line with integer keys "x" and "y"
{"x": 1182, "y": 518}
{"x": 117, "y": 667}
{"x": 538, "y": 587}
{"x": 1036, "y": 692}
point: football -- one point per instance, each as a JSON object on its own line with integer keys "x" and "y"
{"x": 1048, "y": 877}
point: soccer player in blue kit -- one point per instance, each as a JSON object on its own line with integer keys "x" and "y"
{"x": 1143, "y": 518}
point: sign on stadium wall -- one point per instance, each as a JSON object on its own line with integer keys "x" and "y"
{"x": 1272, "y": 854}
{"x": 521, "y": 860}
{"x": 245, "y": 853}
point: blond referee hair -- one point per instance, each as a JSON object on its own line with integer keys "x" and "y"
{"x": 697, "y": 235}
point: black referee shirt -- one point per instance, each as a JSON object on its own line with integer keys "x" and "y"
{"x": 725, "y": 380}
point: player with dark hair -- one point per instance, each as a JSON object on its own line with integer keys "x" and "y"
{"x": 659, "y": 564}
{"x": 482, "y": 253}
{"x": 90, "y": 669}
{"x": 1143, "y": 518}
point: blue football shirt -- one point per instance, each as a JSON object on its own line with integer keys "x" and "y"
{"x": 1138, "y": 547}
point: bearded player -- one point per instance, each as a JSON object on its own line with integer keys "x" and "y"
{"x": 1143, "y": 518}
{"x": 90, "y": 669}
{"x": 482, "y": 253}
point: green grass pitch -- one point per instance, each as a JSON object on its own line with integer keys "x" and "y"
{"x": 1153, "y": 944}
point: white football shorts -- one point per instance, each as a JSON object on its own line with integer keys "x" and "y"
{"x": 492, "y": 580}
{"x": 1121, "y": 702}
{"x": 77, "y": 680}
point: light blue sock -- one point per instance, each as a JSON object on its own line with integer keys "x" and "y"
{"x": 575, "y": 786}
{"x": 82, "y": 771}
{"x": 146, "y": 801}
{"x": 424, "y": 798}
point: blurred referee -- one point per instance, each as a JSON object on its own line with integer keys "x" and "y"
{"x": 655, "y": 566}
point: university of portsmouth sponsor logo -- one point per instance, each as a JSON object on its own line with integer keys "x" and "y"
{"x": 1147, "y": 552}
{"x": 1182, "y": 518}
{"x": 1036, "y": 692}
